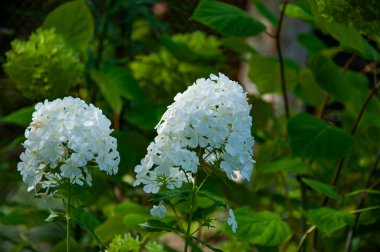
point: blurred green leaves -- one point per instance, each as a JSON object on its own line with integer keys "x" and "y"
{"x": 329, "y": 220}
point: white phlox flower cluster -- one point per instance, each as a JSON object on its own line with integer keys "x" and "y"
{"x": 210, "y": 122}
{"x": 67, "y": 136}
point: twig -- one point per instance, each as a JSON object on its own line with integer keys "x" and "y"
{"x": 277, "y": 37}
{"x": 351, "y": 232}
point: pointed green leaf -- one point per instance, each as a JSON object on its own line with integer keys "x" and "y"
{"x": 330, "y": 220}
{"x": 296, "y": 11}
{"x": 74, "y": 21}
{"x": 316, "y": 139}
{"x": 311, "y": 43}
{"x": 264, "y": 228}
{"x": 227, "y": 19}
{"x": 21, "y": 117}
{"x": 323, "y": 188}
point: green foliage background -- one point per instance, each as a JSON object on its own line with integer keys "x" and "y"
{"x": 316, "y": 180}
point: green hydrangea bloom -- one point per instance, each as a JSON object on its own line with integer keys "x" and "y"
{"x": 164, "y": 73}
{"x": 363, "y": 15}
{"x": 44, "y": 66}
{"x": 154, "y": 246}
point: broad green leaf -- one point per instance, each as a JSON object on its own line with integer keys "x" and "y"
{"x": 21, "y": 117}
{"x": 311, "y": 43}
{"x": 325, "y": 189}
{"x": 265, "y": 72}
{"x": 343, "y": 86}
{"x": 154, "y": 225}
{"x": 308, "y": 88}
{"x": 74, "y": 21}
{"x": 264, "y": 228}
{"x": 226, "y": 19}
{"x": 109, "y": 90}
{"x": 330, "y": 220}
{"x": 293, "y": 166}
{"x": 316, "y": 139}
{"x": 296, "y": 11}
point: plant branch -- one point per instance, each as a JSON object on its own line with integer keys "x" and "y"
{"x": 277, "y": 37}
{"x": 360, "y": 204}
{"x": 301, "y": 247}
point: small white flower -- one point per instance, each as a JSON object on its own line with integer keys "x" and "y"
{"x": 64, "y": 135}
{"x": 158, "y": 211}
{"x": 232, "y": 221}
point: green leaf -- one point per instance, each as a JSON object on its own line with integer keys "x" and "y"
{"x": 226, "y": 19}
{"x": 316, "y": 139}
{"x": 311, "y": 43}
{"x": 265, "y": 72}
{"x": 154, "y": 225}
{"x": 21, "y": 117}
{"x": 343, "y": 86}
{"x": 330, "y": 220}
{"x": 293, "y": 166}
{"x": 264, "y": 228}
{"x": 109, "y": 90}
{"x": 111, "y": 227}
{"x": 296, "y": 11}
{"x": 308, "y": 88}
{"x": 73, "y": 20}
{"x": 325, "y": 189}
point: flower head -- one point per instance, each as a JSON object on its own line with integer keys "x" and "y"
{"x": 63, "y": 139}
{"x": 210, "y": 122}
{"x": 44, "y": 66}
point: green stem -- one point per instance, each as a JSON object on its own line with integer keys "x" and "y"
{"x": 189, "y": 220}
{"x": 67, "y": 209}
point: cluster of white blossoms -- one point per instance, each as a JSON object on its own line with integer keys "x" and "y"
{"x": 210, "y": 122}
{"x": 67, "y": 136}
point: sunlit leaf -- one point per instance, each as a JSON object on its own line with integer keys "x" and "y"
{"x": 74, "y": 21}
